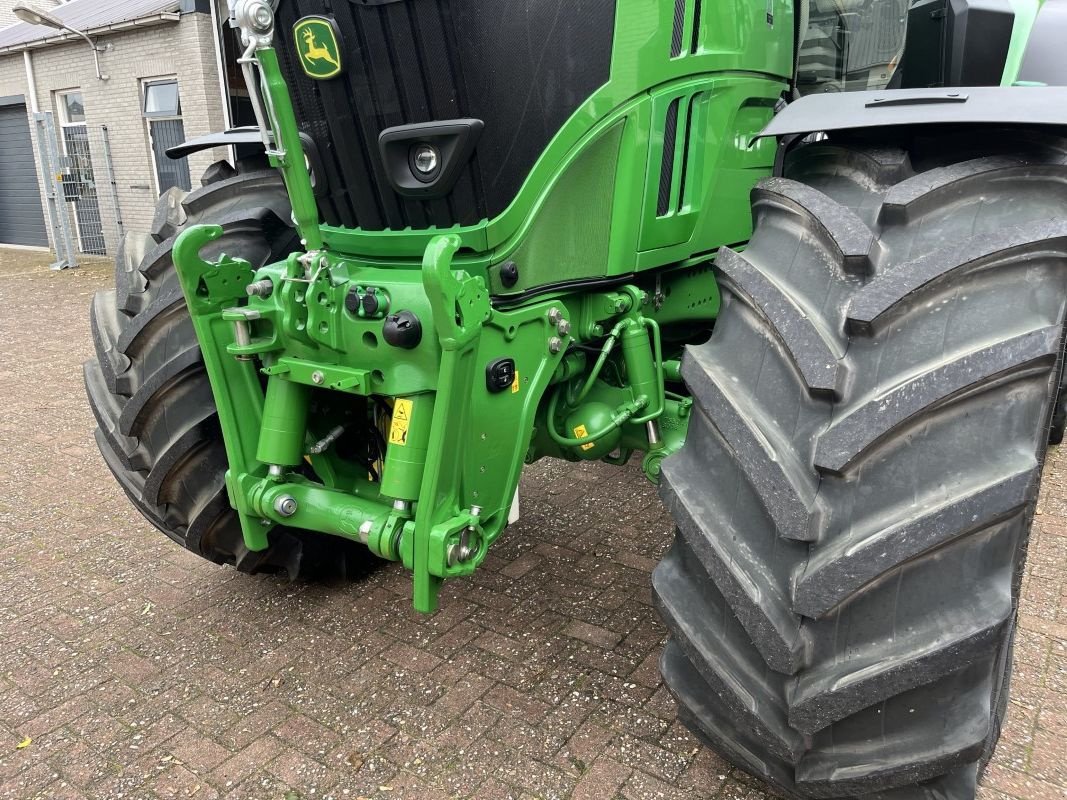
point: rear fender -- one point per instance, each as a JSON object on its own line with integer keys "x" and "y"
{"x": 972, "y": 105}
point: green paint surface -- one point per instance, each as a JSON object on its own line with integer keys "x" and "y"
{"x": 612, "y": 283}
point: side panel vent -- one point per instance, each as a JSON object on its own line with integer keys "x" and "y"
{"x": 666, "y": 173}
{"x": 694, "y": 43}
{"x": 685, "y": 35}
{"x": 676, "y": 163}
{"x": 677, "y": 176}
{"x": 677, "y": 34}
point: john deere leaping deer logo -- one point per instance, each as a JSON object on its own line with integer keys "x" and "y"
{"x": 316, "y": 43}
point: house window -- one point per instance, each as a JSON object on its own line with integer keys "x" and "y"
{"x": 161, "y": 99}
{"x": 162, "y": 110}
{"x": 72, "y": 108}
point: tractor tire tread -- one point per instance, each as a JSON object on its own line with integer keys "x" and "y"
{"x": 158, "y": 430}
{"x": 842, "y": 591}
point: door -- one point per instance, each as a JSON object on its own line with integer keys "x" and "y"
{"x": 167, "y": 133}
{"x": 21, "y": 214}
{"x": 163, "y": 110}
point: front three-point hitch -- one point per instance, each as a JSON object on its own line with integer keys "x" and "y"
{"x": 394, "y": 402}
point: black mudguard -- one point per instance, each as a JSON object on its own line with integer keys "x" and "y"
{"x": 234, "y": 136}
{"x": 985, "y": 105}
{"x": 247, "y": 140}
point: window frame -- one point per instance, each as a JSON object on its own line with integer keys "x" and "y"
{"x": 147, "y": 83}
{"x": 61, "y": 96}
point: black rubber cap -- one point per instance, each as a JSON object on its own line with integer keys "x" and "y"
{"x": 402, "y": 329}
{"x": 352, "y": 301}
{"x": 509, "y": 274}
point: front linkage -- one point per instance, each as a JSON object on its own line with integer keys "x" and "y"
{"x": 395, "y": 405}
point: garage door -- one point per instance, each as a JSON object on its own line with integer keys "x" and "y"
{"x": 21, "y": 216}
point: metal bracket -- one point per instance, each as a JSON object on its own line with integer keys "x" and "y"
{"x": 255, "y": 20}
{"x": 460, "y": 302}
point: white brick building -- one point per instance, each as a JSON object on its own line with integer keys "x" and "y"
{"x": 162, "y": 82}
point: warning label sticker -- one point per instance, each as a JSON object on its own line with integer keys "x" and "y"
{"x": 398, "y": 431}
{"x": 582, "y": 433}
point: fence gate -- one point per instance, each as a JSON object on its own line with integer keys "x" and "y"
{"x": 83, "y": 201}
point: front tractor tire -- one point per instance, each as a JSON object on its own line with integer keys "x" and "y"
{"x": 158, "y": 429}
{"x": 854, "y": 499}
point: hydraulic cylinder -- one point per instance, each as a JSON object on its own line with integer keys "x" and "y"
{"x": 405, "y": 457}
{"x": 640, "y": 363}
{"x": 285, "y": 411}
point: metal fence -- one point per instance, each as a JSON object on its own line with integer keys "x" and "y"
{"x": 81, "y": 194}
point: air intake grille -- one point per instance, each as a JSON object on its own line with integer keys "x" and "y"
{"x": 522, "y": 71}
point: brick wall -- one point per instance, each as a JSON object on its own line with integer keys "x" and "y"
{"x": 184, "y": 49}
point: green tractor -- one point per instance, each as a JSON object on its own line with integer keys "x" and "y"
{"x": 803, "y": 261}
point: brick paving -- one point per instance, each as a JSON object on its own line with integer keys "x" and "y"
{"x": 137, "y": 670}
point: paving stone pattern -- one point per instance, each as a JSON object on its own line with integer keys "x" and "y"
{"x": 136, "y": 670}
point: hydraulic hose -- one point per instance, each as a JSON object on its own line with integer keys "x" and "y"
{"x": 605, "y": 351}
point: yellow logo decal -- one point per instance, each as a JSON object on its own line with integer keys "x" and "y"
{"x": 581, "y": 432}
{"x": 398, "y": 430}
{"x": 316, "y": 44}
{"x": 515, "y": 383}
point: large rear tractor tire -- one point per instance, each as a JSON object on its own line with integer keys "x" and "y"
{"x": 158, "y": 427}
{"x": 855, "y": 496}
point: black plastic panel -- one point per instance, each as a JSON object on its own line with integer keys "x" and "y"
{"x": 923, "y": 64}
{"x": 956, "y": 43}
{"x": 522, "y": 69}
{"x": 980, "y": 35}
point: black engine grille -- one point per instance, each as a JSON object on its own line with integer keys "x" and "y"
{"x": 521, "y": 68}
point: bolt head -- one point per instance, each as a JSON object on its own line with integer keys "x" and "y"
{"x": 554, "y": 315}
{"x": 555, "y": 344}
{"x": 285, "y": 505}
{"x": 317, "y": 377}
{"x": 364, "y": 531}
{"x": 564, "y": 327}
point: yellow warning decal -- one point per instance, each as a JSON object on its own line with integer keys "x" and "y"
{"x": 398, "y": 431}
{"x": 582, "y": 433}
{"x": 515, "y": 383}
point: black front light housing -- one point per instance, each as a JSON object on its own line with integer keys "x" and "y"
{"x": 425, "y": 159}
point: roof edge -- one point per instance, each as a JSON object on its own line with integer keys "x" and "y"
{"x": 147, "y": 21}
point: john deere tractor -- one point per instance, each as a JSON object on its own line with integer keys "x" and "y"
{"x": 802, "y": 262}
